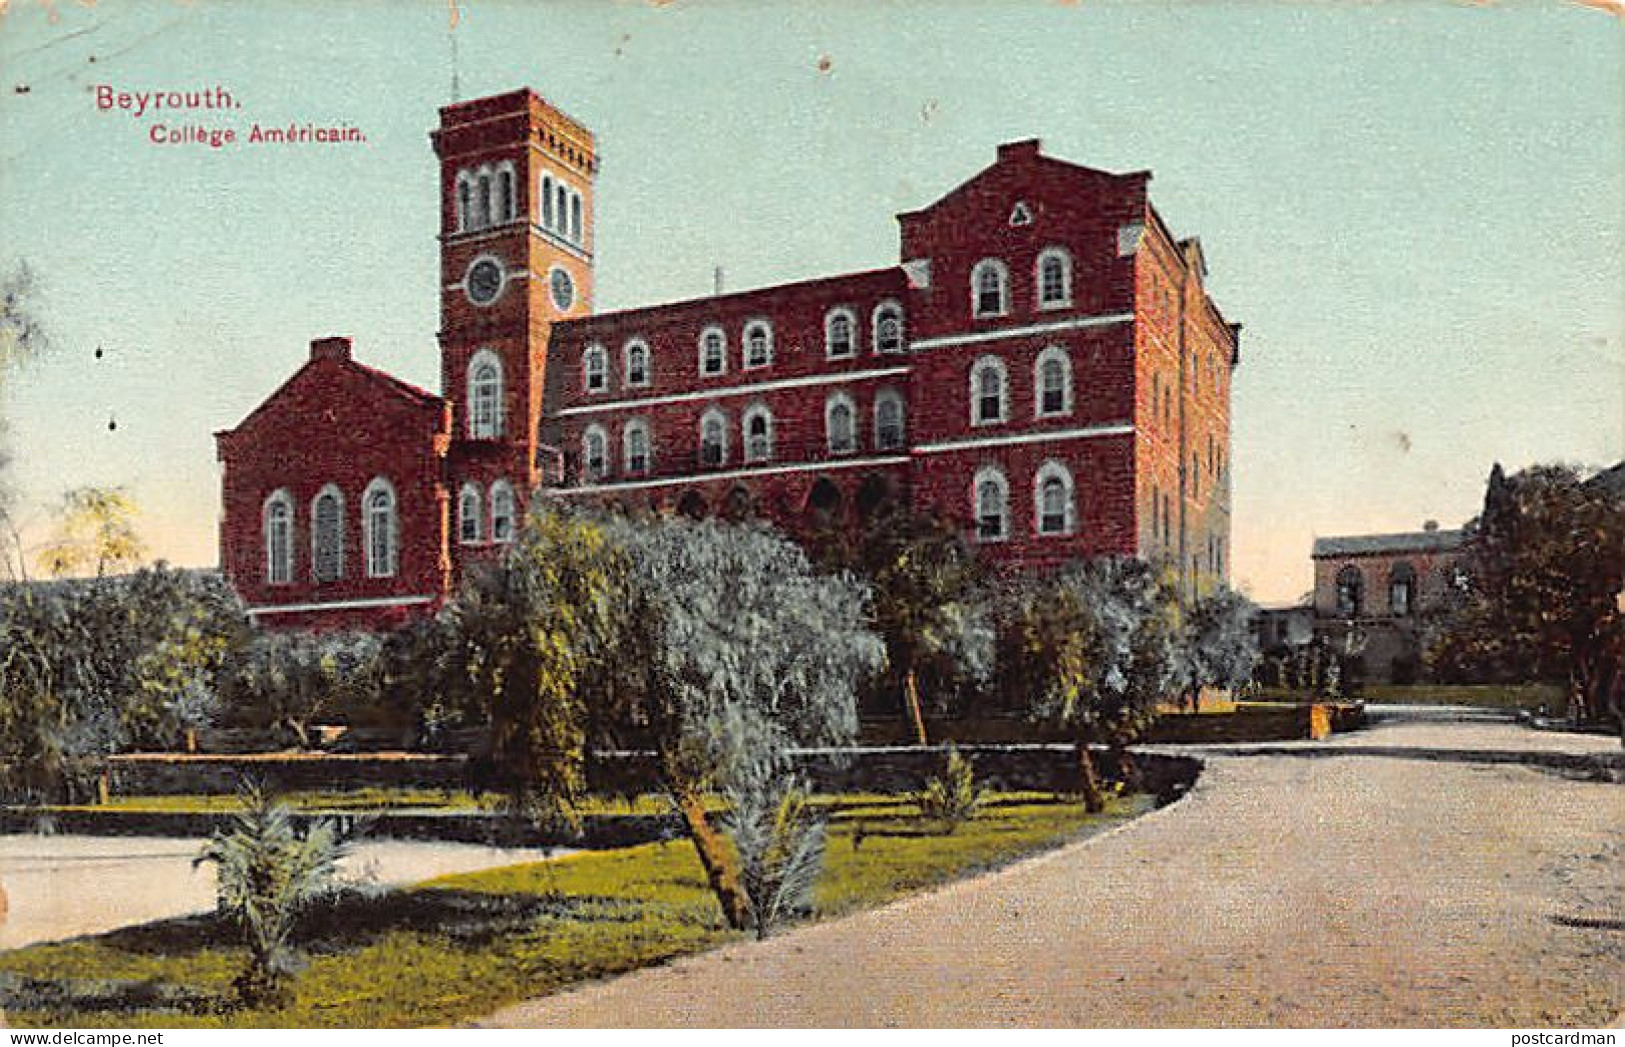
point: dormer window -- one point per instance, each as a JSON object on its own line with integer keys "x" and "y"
{"x": 758, "y": 344}
{"x": 990, "y": 288}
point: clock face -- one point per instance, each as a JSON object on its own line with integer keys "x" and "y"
{"x": 563, "y": 288}
{"x": 484, "y": 281}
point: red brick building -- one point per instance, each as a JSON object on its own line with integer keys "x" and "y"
{"x": 1042, "y": 365}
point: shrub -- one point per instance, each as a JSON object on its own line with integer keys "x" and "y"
{"x": 780, "y": 843}
{"x": 951, "y": 797}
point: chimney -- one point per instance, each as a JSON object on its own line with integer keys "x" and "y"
{"x": 1431, "y": 526}
{"x": 336, "y": 347}
{"x": 1025, "y": 149}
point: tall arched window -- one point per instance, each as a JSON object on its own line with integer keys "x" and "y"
{"x": 327, "y": 535}
{"x": 990, "y": 495}
{"x": 713, "y": 438}
{"x": 989, "y": 387}
{"x": 1053, "y": 499}
{"x": 465, "y": 202}
{"x": 840, "y": 424}
{"x": 502, "y": 511}
{"x": 485, "y": 395}
{"x": 1402, "y": 590}
{"x": 758, "y": 344}
{"x": 482, "y": 200}
{"x": 635, "y": 445}
{"x": 470, "y": 515}
{"x": 713, "y": 352}
{"x": 504, "y": 207}
{"x": 595, "y": 453}
{"x": 595, "y": 369}
{"x": 1054, "y": 278}
{"x": 637, "y": 363}
{"x": 990, "y": 288}
{"x": 380, "y": 528}
{"x": 278, "y": 538}
{"x": 889, "y": 431}
{"x": 888, "y": 327}
{"x": 1350, "y": 591}
{"x": 758, "y": 434}
{"x": 561, "y": 200}
{"x": 547, "y": 201}
{"x": 1052, "y": 378}
{"x": 840, "y": 334}
{"x": 575, "y": 218}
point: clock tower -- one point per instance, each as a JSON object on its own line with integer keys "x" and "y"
{"x": 516, "y": 243}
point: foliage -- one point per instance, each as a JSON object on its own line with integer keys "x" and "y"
{"x": 951, "y": 797}
{"x": 287, "y": 680}
{"x": 1540, "y": 600}
{"x": 780, "y": 843}
{"x": 1220, "y": 649}
{"x": 22, "y": 337}
{"x": 268, "y": 872}
{"x": 95, "y": 528}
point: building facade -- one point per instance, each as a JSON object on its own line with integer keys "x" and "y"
{"x": 1042, "y": 365}
{"x": 1374, "y": 593}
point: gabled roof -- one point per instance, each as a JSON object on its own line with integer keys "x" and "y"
{"x": 1611, "y": 480}
{"x": 386, "y": 383}
{"x": 1377, "y": 544}
{"x": 1029, "y": 150}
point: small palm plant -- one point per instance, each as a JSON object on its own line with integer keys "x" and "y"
{"x": 780, "y": 843}
{"x": 950, "y": 798}
{"x": 268, "y": 872}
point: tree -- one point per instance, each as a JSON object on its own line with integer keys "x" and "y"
{"x": 22, "y": 337}
{"x": 95, "y": 533}
{"x": 287, "y": 680}
{"x": 1220, "y": 650}
{"x": 268, "y": 872}
{"x": 779, "y": 841}
{"x": 1539, "y": 599}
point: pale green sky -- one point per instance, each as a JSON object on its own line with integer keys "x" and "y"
{"x": 1415, "y": 209}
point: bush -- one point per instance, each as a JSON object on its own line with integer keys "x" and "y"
{"x": 951, "y": 797}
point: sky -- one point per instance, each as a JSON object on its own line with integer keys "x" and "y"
{"x": 1416, "y": 210}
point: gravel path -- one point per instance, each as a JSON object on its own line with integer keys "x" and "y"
{"x": 1350, "y": 890}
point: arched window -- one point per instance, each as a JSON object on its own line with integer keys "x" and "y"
{"x": 1053, "y": 499}
{"x": 990, "y": 496}
{"x": 547, "y": 201}
{"x": 713, "y": 351}
{"x": 279, "y": 539}
{"x": 635, "y": 446}
{"x": 470, "y": 515}
{"x": 888, "y": 328}
{"x": 595, "y": 369}
{"x": 595, "y": 453}
{"x": 327, "y": 535}
{"x": 758, "y": 344}
{"x": 482, "y": 200}
{"x": 504, "y": 207}
{"x": 561, "y": 200}
{"x": 1054, "y": 278}
{"x": 465, "y": 201}
{"x": 1402, "y": 590}
{"x": 485, "y": 395}
{"x": 840, "y": 424}
{"x": 758, "y": 434}
{"x": 840, "y": 334}
{"x": 990, "y": 288}
{"x": 575, "y": 218}
{"x": 1052, "y": 377}
{"x": 989, "y": 388}
{"x": 637, "y": 363}
{"x": 1350, "y": 591}
{"x": 502, "y": 511}
{"x": 378, "y": 525}
{"x": 889, "y": 431}
{"x": 713, "y": 438}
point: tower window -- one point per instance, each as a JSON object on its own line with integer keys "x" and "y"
{"x": 575, "y": 218}
{"x": 988, "y": 391}
{"x": 990, "y": 288}
{"x": 713, "y": 439}
{"x": 465, "y": 201}
{"x": 595, "y": 369}
{"x": 482, "y": 201}
{"x": 485, "y": 396}
{"x": 839, "y": 336}
{"x": 991, "y": 496}
{"x": 1054, "y": 382}
{"x": 594, "y": 453}
{"x": 1053, "y": 499}
{"x": 279, "y": 539}
{"x": 561, "y": 200}
{"x": 636, "y": 447}
{"x": 840, "y": 424}
{"x": 379, "y": 526}
{"x": 758, "y": 344}
{"x": 502, "y": 511}
{"x": 713, "y": 352}
{"x": 547, "y": 201}
{"x": 1054, "y": 279}
{"x": 888, "y": 327}
{"x": 889, "y": 432}
{"x": 327, "y": 535}
{"x": 758, "y": 434}
{"x": 470, "y": 515}
{"x": 637, "y": 364}
{"x": 504, "y": 206}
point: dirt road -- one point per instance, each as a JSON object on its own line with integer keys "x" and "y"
{"x": 1338, "y": 890}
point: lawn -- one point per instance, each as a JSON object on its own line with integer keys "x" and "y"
{"x": 458, "y": 947}
{"x": 1519, "y": 696}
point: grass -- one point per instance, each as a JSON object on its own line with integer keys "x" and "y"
{"x": 458, "y": 947}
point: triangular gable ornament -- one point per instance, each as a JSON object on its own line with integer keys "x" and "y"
{"x": 1021, "y": 214}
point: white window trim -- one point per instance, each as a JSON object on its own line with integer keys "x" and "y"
{"x": 502, "y": 491}
{"x": 840, "y": 312}
{"x": 392, "y": 539}
{"x": 720, "y": 417}
{"x": 648, "y": 364}
{"x": 1052, "y": 469}
{"x": 278, "y": 498}
{"x": 1065, "y": 257}
{"x": 479, "y": 359}
{"x": 997, "y": 362}
{"x": 637, "y": 425}
{"x": 840, "y": 399}
{"x": 744, "y": 344}
{"x": 748, "y": 389}
{"x": 902, "y": 327}
{"x": 751, "y": 412}
{"x": 997, "y": 266}
{"x": 330, "y": 490}
{"x": 700, "y": 346}
{"x": 595, "y": 349}
{"x": 1053, "y": 352}
{"x": 995, "y": 475}
{"x": 470, "y": 497}
{"x": 587, "y": 434}
{"x": 885, "y": 396}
